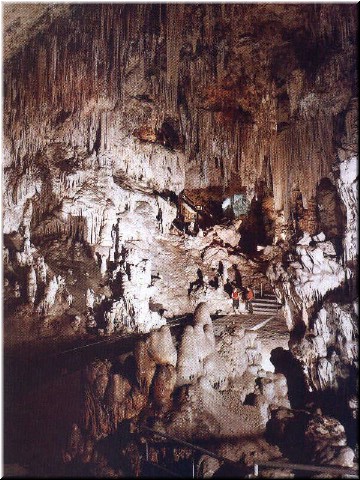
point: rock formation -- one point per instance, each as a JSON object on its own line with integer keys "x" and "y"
{"x": 195, "y": 392}
{"x": 157, "y": 155}
{"x": 320, "y": 438}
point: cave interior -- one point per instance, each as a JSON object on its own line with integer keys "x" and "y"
{"x": 160, "y": 161}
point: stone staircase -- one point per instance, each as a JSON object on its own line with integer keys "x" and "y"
{"x": 267, "y": 303}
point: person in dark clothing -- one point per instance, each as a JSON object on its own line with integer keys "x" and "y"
{"x": 159, "y": 218}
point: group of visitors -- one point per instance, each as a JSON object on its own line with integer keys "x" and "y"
{"x": 247, "y": 295}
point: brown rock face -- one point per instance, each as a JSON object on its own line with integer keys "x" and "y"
{"x": 163, "y": 387}
{"x": 145, "y": 366}
{"x": 22, "y": 22}
{"x": 319, "y": 439}
{"x": 118, "y": 389}
{"x": 96, "y": 381}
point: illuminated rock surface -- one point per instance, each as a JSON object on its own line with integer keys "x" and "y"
{"x": 155, "y": 156}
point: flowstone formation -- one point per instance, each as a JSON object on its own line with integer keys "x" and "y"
{"x": 209, "y": 378}
{"x": 321, "y": 439}
{"x": 197, "y": 389}
{"x": 241, "y": 99}
{"x": 123, "y": 268}
{"x": 33, "y": 291}
{"x": 156, "y": 156}
{"x": 166, "y": 384}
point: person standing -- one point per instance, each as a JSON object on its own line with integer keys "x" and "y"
{"x": 235, "y": 298}
{"x": 249, "y": 296}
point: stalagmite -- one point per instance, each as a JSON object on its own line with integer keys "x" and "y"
{"x": 161, "y": 347}
{"x": 90, "y": 298}
{"x": 155, "y": 157}
{"x": 41, "y": 269}
{"x": 17, "y": 292}
{"x": 5, "y": 255}
{"x": 50, "y": 294}
{"x": 31, "y": 285}
{"x": 103, "y": 264}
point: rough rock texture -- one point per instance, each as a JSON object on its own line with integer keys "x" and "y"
{"x": 192, "y": 391}
{"x": 316, "y": 281}
{"x": 109, "y": 399}
{"x": 249, "y": 451}
{"x": 145, "y": 366}
{"x": 205, "y": 413}
{"x": 120, "y": 391}
{"x": 262, "y": 90}
{"x": 205, "y": 100}
{"x": 132, "y": 312}
{"x": 218, "y": 374}
{"x": 348, "y": 189}
{"x": 329, "y": 351}
{"x": 21, "y": 22}
{"x": 308, "y": 273}
{"x": 245, "y": 403}
{"x": 311, "y": 438}
{"x": 96, "y": 382}
{"x": 163, "y": 387}
{"x": 128, "y": 131}
{"x": 37, "y": 298}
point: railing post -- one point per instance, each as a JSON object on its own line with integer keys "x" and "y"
{"x": 261, "y": 290}
{"x": 256, "y": 470}
{"x": 193, "y": 465}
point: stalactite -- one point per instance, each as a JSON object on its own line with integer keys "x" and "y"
{"x": 300, "y": 157}
{"x": 81, "y": 80}
{"x": 174, "y": 25}
{"x": 334, "y": 23}
{"x": 72, "y": 83}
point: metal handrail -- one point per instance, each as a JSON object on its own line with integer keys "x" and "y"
{"x": 187, "y": 444}
{"x": 193, "y": 205}
{"x": 163, "y": 469}
{"x": 293, "y": 466}
{"x": 308, "y": 468}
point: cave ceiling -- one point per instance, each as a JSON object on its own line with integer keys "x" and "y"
{"x": 253, "y": 88}
{"x": 22, "y": 21}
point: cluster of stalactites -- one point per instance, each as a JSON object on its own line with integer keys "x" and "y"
{"x": 334, "y": 23}
{"x": 300, "y": 157}
{"x": 82, "y": 72}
